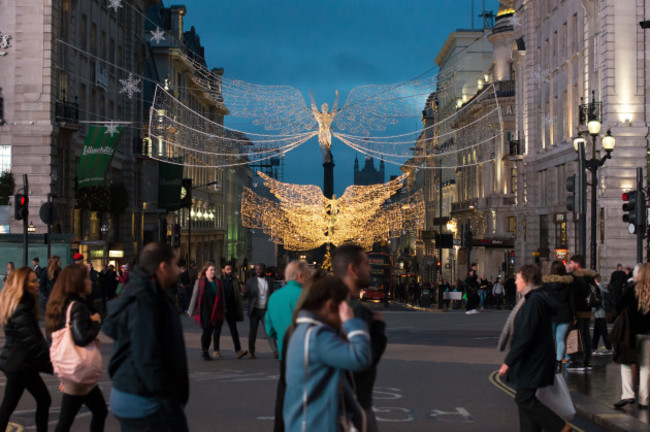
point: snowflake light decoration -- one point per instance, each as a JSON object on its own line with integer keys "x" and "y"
{"x": 115, "y": 4}
{"x": 111, "y": 129}
{"x": 548, "y": 120}
{"x": 130, "y": 86}
{"x": 157, "y": 35}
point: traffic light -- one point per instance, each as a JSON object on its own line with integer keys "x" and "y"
{"x": 176, "y": 236}
{"x": 186, "y": 192}
{"x": 21, "y": 206}
{"x": 438, "y": 264}
{"x": 634, "y": 208}
{"x": 573, "y": 197}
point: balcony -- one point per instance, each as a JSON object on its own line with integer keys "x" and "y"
{"x": 67, "y": 112}
{"x": 505, "y": 88}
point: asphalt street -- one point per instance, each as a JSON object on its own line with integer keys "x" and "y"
{"x": 438, "y": 373}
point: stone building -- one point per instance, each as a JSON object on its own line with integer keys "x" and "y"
{"x": 368, "y": 175}
{"x": 61, "y": 74}
{"x": 570, "y": 53}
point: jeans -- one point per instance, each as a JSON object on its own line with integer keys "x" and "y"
{"x": 600, "y": 329}
{"x": 71, "y": 404}
{"x": 16, "y": 385}
{"x": 583, "y": 328}
{"x": 232, "y": 325}
{"x": 256, "y": 316}
{"x": 163, "y": 420}
{"x": 482, "y": 293}
{"x": 560, "y": 330}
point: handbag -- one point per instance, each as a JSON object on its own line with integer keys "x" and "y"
{"x": 557, "y": 398}
{"x": 573, "y": 342}
{"x": 74, "y": 363}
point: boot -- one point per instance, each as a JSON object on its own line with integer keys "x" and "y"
{"x": 205, "y": 355}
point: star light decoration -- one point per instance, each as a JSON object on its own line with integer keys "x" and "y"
{"x": 157, "y": 35}
{"x": 303, "y": 219}
{"x": 114, "y": 4}
{"x": 111, "y": 129}
{"x": 130, "y": 86}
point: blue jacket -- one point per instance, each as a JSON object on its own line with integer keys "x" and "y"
{"x": 280, "y": 311}
{"x": 329, "y": 357}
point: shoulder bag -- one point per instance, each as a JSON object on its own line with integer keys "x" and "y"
{"x": 74, "y": 363}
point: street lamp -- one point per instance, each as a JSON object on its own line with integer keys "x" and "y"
{"x": 608, "y": 143}
{"x": 104, "y": 230}
{"x": 31, "y": 228}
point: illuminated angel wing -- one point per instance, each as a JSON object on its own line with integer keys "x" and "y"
{"x": 374, "y": 107}
{"x": 279, "y": 108}
{"x": 291, "y": 194}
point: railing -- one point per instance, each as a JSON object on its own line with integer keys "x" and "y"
{"x": 505, "y": 88}
{"x": 67, "y": 111}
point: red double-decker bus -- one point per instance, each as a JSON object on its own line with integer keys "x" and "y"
{"x": 381, "y": 265}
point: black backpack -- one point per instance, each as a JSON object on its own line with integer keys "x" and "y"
{"x": 594, "y": 300}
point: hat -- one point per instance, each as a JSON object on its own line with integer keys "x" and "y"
{"x": 619, "y": 265}
{"x": 77, "y": 257}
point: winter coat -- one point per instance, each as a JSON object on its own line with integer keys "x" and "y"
{"x": 582, "y": 278}
{"x": 149, "y": 357}
{"x": 210, "y": 308}
{"x": 365, "y": 379}
{"x": 325, "y": 380}
{"x": 84, "y": 331}
{"x": 599, "y": 312}
{"x": 234, "y": 308}
{"x": 532, "y": 353}
{"x": 25, "y": 347}
{"x": 280, "y": 311}
{"x": 561, "y": 289}
{"x": 630, "y": 322}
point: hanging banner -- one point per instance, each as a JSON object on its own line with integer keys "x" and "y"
{"x": 97, "y": 154}
{"x": 170, "y": 178}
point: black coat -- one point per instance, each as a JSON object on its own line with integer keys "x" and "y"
{"x": 581, "y": 280}
{"x": 532, "y": 352}
{"x": 25, "y": 347}
{"x": 630, "y": 322}
{"x": 561, "y": 289}
{"x": 149, "y": 351}
{"x": 84, "y": 330}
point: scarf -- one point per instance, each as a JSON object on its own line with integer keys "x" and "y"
{"x": 508, "y": 329}
{"x": 217, "y": 313}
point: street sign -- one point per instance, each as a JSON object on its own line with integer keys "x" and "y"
{"x": 49, "y": 213}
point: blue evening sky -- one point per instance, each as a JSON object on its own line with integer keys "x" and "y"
{"x": 324, "y": 46}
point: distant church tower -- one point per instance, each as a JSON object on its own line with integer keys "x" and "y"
{"x": 368, "y": 175}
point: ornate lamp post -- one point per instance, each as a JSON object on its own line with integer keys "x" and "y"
{"x": 31, "y": 229}
{"x": 590, "y": 113}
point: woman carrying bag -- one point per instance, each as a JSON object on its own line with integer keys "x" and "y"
{"x": 210, "y": 309}
{"x": 528, "y": 332}
{"x": 25, "y": 353}
{"x": 69, "y": 300}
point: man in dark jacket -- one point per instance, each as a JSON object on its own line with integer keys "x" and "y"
{"x": 149, "y": 364}
{"x": 582, "y": 279}
{"x": 352, "y": 266}
{"x": 532, "y": 352}
{"x": 616, "y": 283}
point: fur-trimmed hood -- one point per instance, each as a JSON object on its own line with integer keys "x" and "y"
{"x": 564, "y": 279}
{"x": 587, "y": 273}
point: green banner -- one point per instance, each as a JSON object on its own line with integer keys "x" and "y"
{"x": 97, "y": 154}
{"x": 170, "y": 178}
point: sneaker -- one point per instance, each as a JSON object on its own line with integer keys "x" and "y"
{"x": 251, "y": 356}
{"x": 576, "y": 367}
{"x": 607, "y": 352}
{"x": 241, "y": 354}
{"x": 276, "y": 355}
{"x": 586, "y": 365}
{"x": 469, "y": 312}
{"x": 216, "y": 355}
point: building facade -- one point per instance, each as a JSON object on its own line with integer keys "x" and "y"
{"x": 570, "y": 53}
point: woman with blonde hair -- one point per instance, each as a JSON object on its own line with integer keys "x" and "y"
{"x": 71, "y": 290}
{"x": 25, "y": 353}
{"x": 47, "y": 279}
{"x": 633, "y": 319}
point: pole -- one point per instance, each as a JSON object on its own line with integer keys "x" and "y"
{"x": 582, "y": 187}
{"x": 25, "y": 221}
{"x": 49, "y": 226}
{"x": 642, "y": 228}
{"x": 189, "y": 237}
{"x": 594, "y": 206}
{"x": 440, "y": 225}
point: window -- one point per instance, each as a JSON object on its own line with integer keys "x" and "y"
{"x": 512, "y": 224}
{"x": 5, "y": 158}
{"x": 93, "y": 39}
{"x": 83, "y": 32}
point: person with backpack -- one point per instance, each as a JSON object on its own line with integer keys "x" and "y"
{"x": 69, "y": 300}
{"x": 584, "y": 299}
{"x": 600, "y": 321}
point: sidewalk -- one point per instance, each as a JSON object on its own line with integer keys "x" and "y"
{"x": 595, "y": 392}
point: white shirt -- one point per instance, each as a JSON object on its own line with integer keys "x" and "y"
{"x": 263, "y": 288}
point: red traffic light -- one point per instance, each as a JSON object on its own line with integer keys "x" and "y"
{"x": 23, "y": 200}
{"x": 626, "y": 196}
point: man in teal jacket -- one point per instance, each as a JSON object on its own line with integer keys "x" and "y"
{"x": 282, "y": 302}
{"x": 278, "y": 319}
